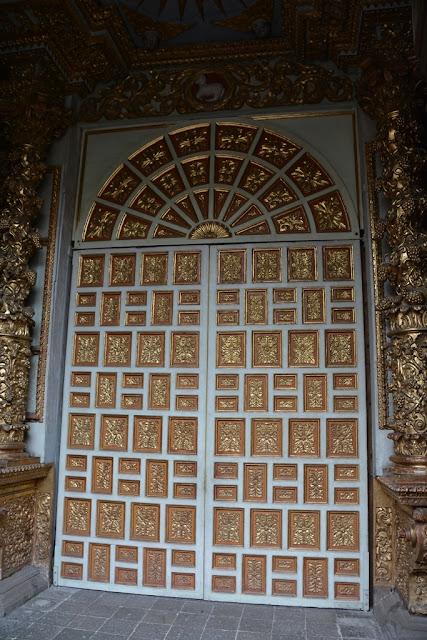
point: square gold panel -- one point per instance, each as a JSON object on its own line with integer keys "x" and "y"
{"x": 287, "y": 588}
{"x": 99, "y": 562}
{"x": 181, "y": 558}
{"x": 85, "y": 299}
{"x": 84, "y": 319}
{"x": 189, "y": 297}
{"x": 345, "y": 403}
{"x": 315, "y": 392}
{"x": 79, "y": 400}
{"x": 131, "y": 401}
{"x": 284, "y": 564}
{"x": 71, "y": 570}
{"x": 341, "y": 438}
{"x": 284, "y": 295}
{"x": 154, "y": 568}
{"x": 316, "y": 483}
{"x": 183, "y": 581}
{"x": 114, "y": 433}
{"x": 188, "y": 318}
{"x": 313, "y": 306}
{"x": 72, "y": 548}
{"x": 284, "y": 316}
{"x": 340, "y": 348}
{"x": 102, "y": 475}
{"x": 347, "y": 591}
{"x": 342, "y": 294}
{"x": 267, "y": 349}
{"x": 256, "y": 309}
{"x": 128, "y": 487}
{"x": 147, "y": 434}
{"x": 180, "y": 524}
{"x": 80, "y": 379}
{"x": 226, "y": 561}
{"x": 223, "y": 584}
{"x": 231, "y": 267}
{"x": 182, "y": 436}
{"x": 187, "y": 381}
{"x": 159, "y": 391}
{"x": 228, "y": 527}
{"x": 110, "y": 308}
{"x": 122, "y": 269}
{"x": 135, "y": 318}
{"x": 151, "y": 349}
{"x": 156, "y": 478}
{"x": 136, "y": 298}
{"x": 285, "y": 403}
{"x": 186, "y": 267}
{"x": 81, "y": 431}
{"x": 225, "y": 492}
{"x": 154, "y": 268}
{"x": 184, "y": 491}
{"x": 77, "y": 516}
{"x": 304, "y": 530}
{"x": 186, "y": 468}
{"x": 266, "y": 437}
{"x": 126, "y": 554}
{"x": 343, "y": 315}
{"x": 105, "y": 395}
{"x": 91, "y": 270}
{"x": 76, "y": 463}
{"x": 227, "y": 317}
{"x": 346, "y": 496}
{"x": 343, "y": 531}
{"x": 145, "y": 522}
{"x": 123, "y": 575}
{"x": 338, "y": 263}
{"x": 226, "y": 403}
{"x": 285, "y": 471}
{"x": 186, "y": 403}
{"x": 162, "y": 308}
{"x": 229, "y": 437}
{"x": 254, "y": 574}
{"x": 231, "y": 349}
{"x": 130, "y": 465}
{"x": 227, "y": 381}
{"x": 315, "y": 578}
{"x": 110, "y": 519}
{"x": 346, "y": 472}
{"x": 226, "y": 470}
{"x": 184, "y": 349}
{"x": 229, "y": 296}
{"x": 255, "y": 483}
{"x": 285, "y": 494}
{"x": 302, "y": 264}
{"x": 303, "y": 348}
{"x": 86, "y": 349}
{"x": 256, "y": 389}
{"x": 266, "y": 528}
{"x": 285, "y": 381}
{"x": 267, "y": 265}
{"x": 73, "y": 483}
{"x": 346, "y": 567}
{"x": 117, "y": 349}
{"x": 132, "y": 380}
{"x": 304, "y": 438}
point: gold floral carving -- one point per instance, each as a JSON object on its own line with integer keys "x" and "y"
{"x": 383, "y": 545}
{"x": 16, "y": 531}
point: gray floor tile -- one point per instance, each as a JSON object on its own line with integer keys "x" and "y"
{"x": 290, "y": 635}
{"x": 330, "y": 630}
{"x": 247, "y": 635}
{"x": 146, "y": 631}
{"x": 119, "y": 627}
{"x": 74, "y": 634}
{"x": 255, "y": 625}
{"x": 222, "y": 622}
{"x": 258, "y": 611}
{"x": 41, "y": 604}
{"x": 198, "y": 606}
{"x": 105, "y": 636}
{"x": 320, "y": 616}
{"x": 288, "y": 627}
{"x": 59, "y": 618}
{"x": 39, "y": 632}
{"x": 168, "y": 604}
{"x": 12, "y": 628}
{"x": 145, "y": 602}
{"x": 191, "y": 620}
{"x": 184, "y": 633}
{"x": 157, "y": 616}
{"x": 89, "y": 623}
{"x": 228, "y": 609}
{"x": 86, "y": 595}
{"x": 218, "y": 634}
{"x": 71, "y": 606}
{"x": 129, "y": 613}
{"x": 99, "y": 610}
{"x": 115, "y": 599}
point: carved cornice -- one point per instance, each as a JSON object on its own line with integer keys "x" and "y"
{"x": 23, "y": 473}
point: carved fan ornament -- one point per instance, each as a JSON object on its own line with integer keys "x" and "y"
{"x": 224, "y": 180}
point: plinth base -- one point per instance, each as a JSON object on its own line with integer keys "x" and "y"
{"x": 20, "y": 587}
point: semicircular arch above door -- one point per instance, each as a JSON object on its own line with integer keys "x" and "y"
{"x": 225, "y": 180}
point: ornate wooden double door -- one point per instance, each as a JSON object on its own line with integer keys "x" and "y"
{"x": 214, "y": 434}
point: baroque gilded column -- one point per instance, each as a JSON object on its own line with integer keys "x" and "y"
{"x": 386, "y": 93}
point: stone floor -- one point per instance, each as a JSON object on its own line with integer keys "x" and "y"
{"x": 76, "y": 614}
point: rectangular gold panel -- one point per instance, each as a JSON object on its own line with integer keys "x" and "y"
{"x": 340, "y": 348}
{"x": 162, "y": 308}
{"x": 313, "y": 306}
{"x": 145, "y": 522}
{"x": 346, "y": 496}
{"x": 304, "y": 438}
{"x": 132, "y": 380}
{"x": 227, "y": 381}
{"x": 182, "y": 558}
{"x": 302, "y": 264}
{"x": 228, "y": 527}
{"x": 99, "y": 562}
{"x": 231, "y": 268}
{"x": 266, "y": 528}
{"x": 284, "y": 316}
{"x": 231, "y": 349}
{"x": 102, "y": 475}
{"x": 123, "y": 575}
{"x": 338, "y": 263}
{"x": 184, "y": 349}
{"x": 86, "y": 349}
{"x": 267, "y": 265}
{"x": 182, "y": 435}
{"x": 343, "y": 315}
{"x": 285, "y": 403}
{"x": 256, "y": 397}
{"x": 110, "y": 519}
{"x": 304, "y": 530}
{"x": 159, "y": 391}
{"x": 267, "y": 349}
{"x": 185, "y": 469}
{"x": 284, "y": 564}
{"x": 223, "y": 584}
{"x": 114, "y": 433}
{"x": 156, "y": 478}
{"x": 229, "y": 437}
{"x": 345, "y": 403}
{"x": 180, "y": 524}
{"x": 129, "y": 465}
{"x": 341, "y": 438}
{"x": 91, "y": 270}
{"x": 71, "y": 570}
{"x": 226, "y": 470}
{"x": 136, "y": 298}
{"x": 347, "y": 591}
{"x": 105, "y": 395}
{"x": 74, "y": 463}
{"x": 346, "y": 567}
{"x": 72, "y": 548}
{"x": 187, "y": 403}
{"x": 285, "y": 494}
{"x": 343, "y": 531}
{"x": 85, "y": 299}
{"x": 255, "y": 483}
{"x": 132, "y": 401}
{"x": 284, "y": 295}
{"x": 186, "y": 267}
{"x": 266, "y": 437}
{"x": 128, "y": 487}
{"x": 84, "y": 319}
{"x": 187, "y": 381}
{"x": 345, "y": 380}
{"x": 73, "y": 483}
{"x": 224, "y": 561}
{"x": 151, "y": 349}
{"x": 303, "y": 349}
{"x": 126, "y": 554}
{"x": 81, "y": 431}
{"x": 346, "y": 472}
{"x": 79, "y": 400}
{"x": 122, "y": 269}
{"x": 286, "y": 588}
{"x": 110, "y": 308}
{"x": 154, "y": 563}
{"x": 256, "y": 310}
{"x": 189, "y": 297}
{"x": 154, "y": 268}
{"x": 135, "y": 318}
{"x": 188, "y": 318}
{"x": 316, "y": 483}
{"x": 117, "y": 349}
{"x": 183, "y": 581}
{"x": 147, "y": 434}
{"x": 77, "y": 516}
{"x": 342, "y": 294}
{"x": 254, "y": 574}
{"x": 225, "y": 492}
{"x": 285, "y": 471}
{"x": 285, "y": 381}
{"x": 315, "y": 578}
{"x": 230, "y": 317}
{"x": 184, "y": 491}
{"x": 228, "y": 297}
{"x": 315, "y": 392}
{"x": 80, "y": 379}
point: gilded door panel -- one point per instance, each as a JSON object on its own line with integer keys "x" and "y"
{"x": 285, "y": 433}
{"x": 133, "y": 441}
